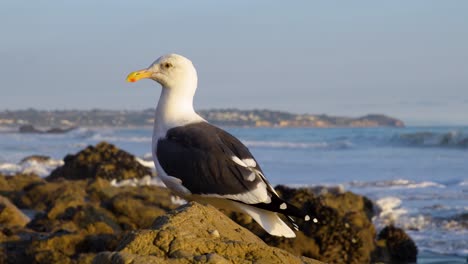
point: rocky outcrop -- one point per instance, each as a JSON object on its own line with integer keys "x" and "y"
{"x": 395, "y": 246}
{"x": 80, "y": 217}
{"x": 104, "y": 161}
{"x": 344, "y": 233}
{"x": 196, "y": 233}
{"x": 74, "y": 220}
{"x": 10, "y": 215}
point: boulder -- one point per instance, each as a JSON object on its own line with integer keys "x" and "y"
{"x": 10, "y": 215}
{"x": 104, "y": 161}
{"x": 395, "y": 246}
{"x": 195, "y": 233}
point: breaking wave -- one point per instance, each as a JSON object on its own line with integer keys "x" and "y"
{"x": 299, "y": 145}
{"x": 453, "y": 139}
{"x": 432, "y": 234}
{"x": 40, "y": 167}
{"x": 399, "y": 183}
{"x": 109, "y": 138}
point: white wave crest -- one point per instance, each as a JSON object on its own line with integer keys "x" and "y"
{"x": 300, "y": 145}
{"x": 147, "y": 181}
{"x": 389, "y": 211}
{"x": 146, "y": 163}
{"x": 398, "y": 183}
{"x": 42, "y": 168}
{"x": 457, "y": 139}
{"x": 100, "y": 137}
{"x": 463, "y": 183}
{"x": 135, "y": 182}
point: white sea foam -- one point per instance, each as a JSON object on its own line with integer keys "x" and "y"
{"x": 147, "y": 156}
{"x": 463, "y": 183}
{"x": 177, "y": 200}
{"x": 389, "y": 210}
{"x": 398, "y": 183}
{"x": 147, "y": 181}
{"x": 134, "y": 182}
{"x": 41, "y": 168}
{"x": 300, "y": 145}
{"x": 134, "y": 139}
{"x": 321, "y": 189}
{"x": 146, "y": 163}
{"x": 456, "y": 138}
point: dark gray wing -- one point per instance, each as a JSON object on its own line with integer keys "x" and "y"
{"x": 201, "y": 155}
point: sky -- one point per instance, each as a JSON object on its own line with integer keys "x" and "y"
{"x": 407, "y": 59}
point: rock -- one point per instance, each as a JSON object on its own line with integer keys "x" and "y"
{"x": 65, "y": 247}
{"x": 89, "y": 218}
{"x": 11, "y": 185}
{"x": 53, "y": 197}
{"x": 395, "y": 246}
{"x": 186, "y": 236}
{"x": 10, "y": 215}
{"x": 344, "y": 233}
{"x": 103, "y": 161}
{"x": 76, "y": 219}
{"x": 138, "y": 207}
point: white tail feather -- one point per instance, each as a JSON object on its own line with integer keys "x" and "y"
{"x": 270, "y": 221}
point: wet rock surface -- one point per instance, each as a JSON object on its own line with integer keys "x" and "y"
{"x": 85, "y": 219}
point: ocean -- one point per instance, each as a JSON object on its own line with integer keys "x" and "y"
{"x": 417, "y": 176}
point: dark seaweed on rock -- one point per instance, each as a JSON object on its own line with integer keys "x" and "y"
{"x": 104, "y": 161}
{"x": 397, "y": 246}
{"x": 344, "y": 233}
{"x": 74, "y": 220}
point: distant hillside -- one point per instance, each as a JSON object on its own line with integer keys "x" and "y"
{"x": 223, "y": 117}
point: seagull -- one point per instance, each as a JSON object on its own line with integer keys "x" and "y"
{"x": 201, "y": 162}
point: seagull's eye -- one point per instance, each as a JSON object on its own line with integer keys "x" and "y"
{"x": 167, "y": 65}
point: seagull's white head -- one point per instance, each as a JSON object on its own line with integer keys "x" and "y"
{"x": 172, "y": 71}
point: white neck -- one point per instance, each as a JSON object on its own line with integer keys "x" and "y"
{"x": 175, "y": 108}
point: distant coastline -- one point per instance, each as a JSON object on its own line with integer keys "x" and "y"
{"x": 221, "y": 117}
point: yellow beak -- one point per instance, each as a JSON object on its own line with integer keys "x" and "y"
{"x": 138, "y": 75}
